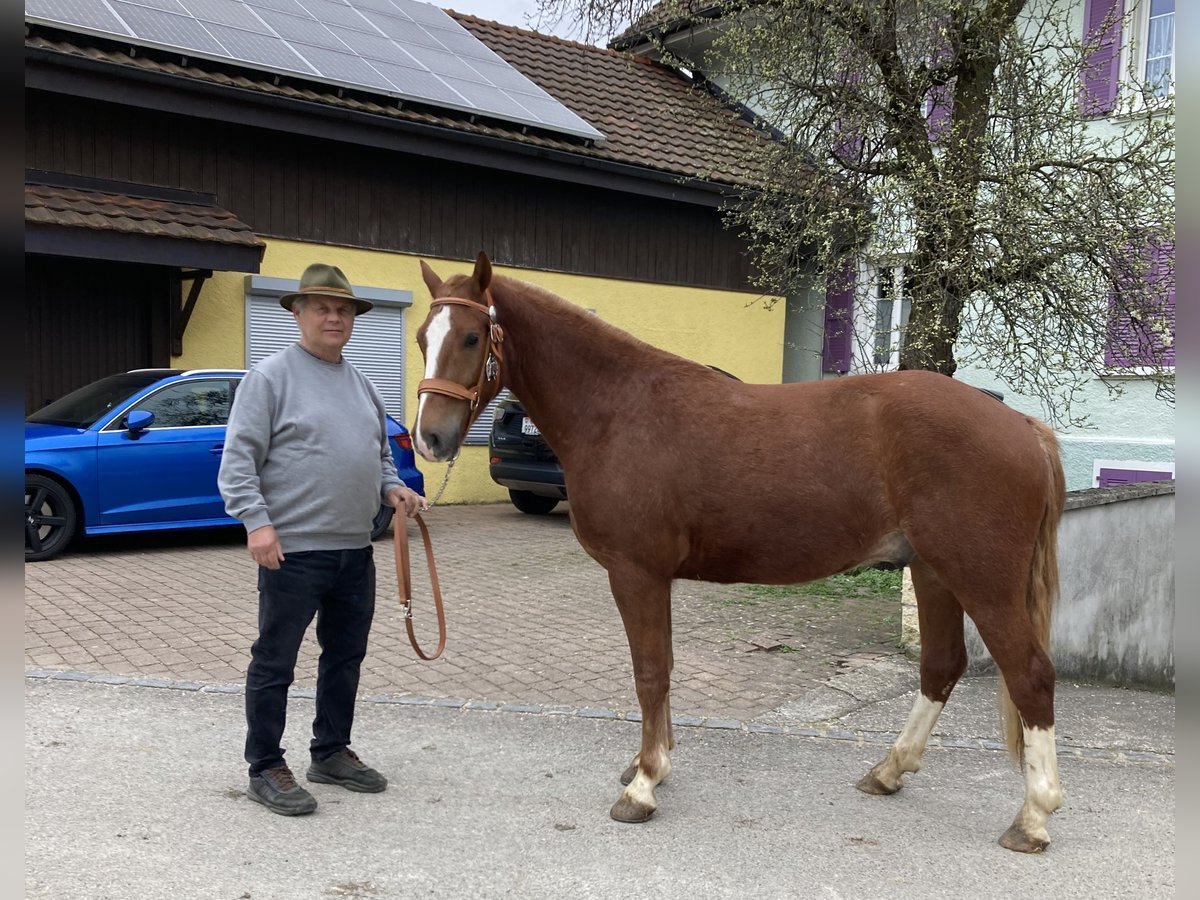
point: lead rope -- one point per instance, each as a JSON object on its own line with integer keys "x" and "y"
{"x": 404, "y": 581}
{"x": 404, "y": 575}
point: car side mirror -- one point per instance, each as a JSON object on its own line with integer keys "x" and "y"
{"x": 139, "y": 420}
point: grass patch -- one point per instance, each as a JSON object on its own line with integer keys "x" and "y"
{"x": 875, "y": 584}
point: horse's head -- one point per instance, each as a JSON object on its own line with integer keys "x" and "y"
{"x": 461, "y": 344}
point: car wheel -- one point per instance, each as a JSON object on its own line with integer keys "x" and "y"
{"x": 383, "y": 518}
{"x": 534, "y": 504}
{"x": 50, "y": 518}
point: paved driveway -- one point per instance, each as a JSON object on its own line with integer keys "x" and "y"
{"x": 134, "y": 793}
{"x": 529, "y": 615}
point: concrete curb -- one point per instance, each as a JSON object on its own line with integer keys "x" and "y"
{"x": 854, "y": 736}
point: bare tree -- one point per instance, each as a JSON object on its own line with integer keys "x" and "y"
{"x": 952, "y": 134}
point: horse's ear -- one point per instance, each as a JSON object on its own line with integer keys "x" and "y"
{"x": 483, "y": 271}
{"x": 431, "y": 280}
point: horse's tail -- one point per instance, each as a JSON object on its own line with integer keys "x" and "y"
{"x": 1042, "y": 589}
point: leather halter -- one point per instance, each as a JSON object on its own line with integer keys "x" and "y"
{"x": 453, "y": 389}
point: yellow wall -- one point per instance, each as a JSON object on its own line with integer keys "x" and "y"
{"x": 737, "y": 332}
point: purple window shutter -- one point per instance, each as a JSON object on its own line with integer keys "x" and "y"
{"x": 1164, "y": 273}
{"x": 1134, "y": 343}
{"x": 941, "y": 105}
{"x": 848, "y": 144}
{"x": 839, "y": 319}
{"x": 1101, "y": 68}
{"x": 1119, "y": 352}
{"x": 1151, "y": 475}
{"x": 1109, "y": 477}
{"x": 940, "y": 98}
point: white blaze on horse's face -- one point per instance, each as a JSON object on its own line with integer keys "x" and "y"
{"x": 435, "y": 340}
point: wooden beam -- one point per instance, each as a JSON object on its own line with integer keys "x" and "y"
{"x": 181, "y": 311}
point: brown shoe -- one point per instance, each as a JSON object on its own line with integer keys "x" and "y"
{"x": 277, "y": 790}
{"x": 346, "y": 769}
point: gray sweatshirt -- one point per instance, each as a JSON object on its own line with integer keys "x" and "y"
{"x": 307, "y": 451}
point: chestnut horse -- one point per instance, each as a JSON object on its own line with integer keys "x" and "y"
{"x": 676, "y": 471}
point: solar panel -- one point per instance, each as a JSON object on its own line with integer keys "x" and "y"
{"x": 287, "y": 6}
{"x": 247, "y": 46}
{"x": 371, "y": 46}
{"x": 87, "y": 14}
{"x": 424, "y": 13}
{"x": 400, "y": 48}
{"x": 333, "y": 12}
{"x": 297, "y": 29}
{"x": 418, "y": 82}
{"x": 166, "y": 5}
{"x": 225, "y": 12}
{"x": 167, "y": 29}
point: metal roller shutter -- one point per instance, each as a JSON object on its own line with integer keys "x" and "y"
{"x": 376, "y": 347}
{"x": 481, "y": 430}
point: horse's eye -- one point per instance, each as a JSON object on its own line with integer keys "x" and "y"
{"x": 472, "y": 340}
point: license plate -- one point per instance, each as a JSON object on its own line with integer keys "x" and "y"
{"x": 527, "y": 427}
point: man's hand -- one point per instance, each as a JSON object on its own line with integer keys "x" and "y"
{"x": 264, "y": 547}
{"x": 407, "y": 499}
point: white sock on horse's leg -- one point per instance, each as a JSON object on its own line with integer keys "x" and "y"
{"x": 1043, "y": 793}
{"x": 905, "y": 754}
{"x": 653, "y": 764}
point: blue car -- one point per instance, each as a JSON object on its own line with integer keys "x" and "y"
{"x": 139, "y": 451}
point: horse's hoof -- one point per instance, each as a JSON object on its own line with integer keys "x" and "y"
{"x": 869, "y": 784}
{"x": 1016, "y": 838}
{"x": 626, "y": 810}
{"x": 628, "y": 774}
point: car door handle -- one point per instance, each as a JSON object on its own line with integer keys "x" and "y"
{"x": 217, "y": 450}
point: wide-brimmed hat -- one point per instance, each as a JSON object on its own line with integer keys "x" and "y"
{"x": 321, "y": 280}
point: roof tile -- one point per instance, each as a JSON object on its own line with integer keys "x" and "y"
{"x": 651, "y": 115}
{"x": 69, "y": 207}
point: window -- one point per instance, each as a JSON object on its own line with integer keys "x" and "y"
{"x": 893, "y": 304}
{"x": 189, "y": 404}
{"x": 1130, "y": 42}
{"x": 1154, "y": 51}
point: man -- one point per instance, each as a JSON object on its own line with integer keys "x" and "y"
{"x": 305, "y": 468}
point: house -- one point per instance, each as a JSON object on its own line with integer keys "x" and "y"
{"x": 181, "y": 170}
{"x": 1129, "y": 436}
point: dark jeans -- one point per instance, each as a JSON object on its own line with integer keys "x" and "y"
{"x": 338, "y": 587}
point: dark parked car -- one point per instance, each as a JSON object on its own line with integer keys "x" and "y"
{"x": 139, "y": 451}
{"x": 520, "y": 459}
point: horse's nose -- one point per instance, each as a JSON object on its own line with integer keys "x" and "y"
{"x": 436, "y": 444}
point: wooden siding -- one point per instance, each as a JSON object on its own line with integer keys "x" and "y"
{"x": 85, "y": 319}
{"x": 323, "y": 191}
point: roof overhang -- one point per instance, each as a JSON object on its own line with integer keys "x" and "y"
{"x": 669, "y": 26}
{"x": 130, "y": 86}
{"x": 90, "y": 218}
